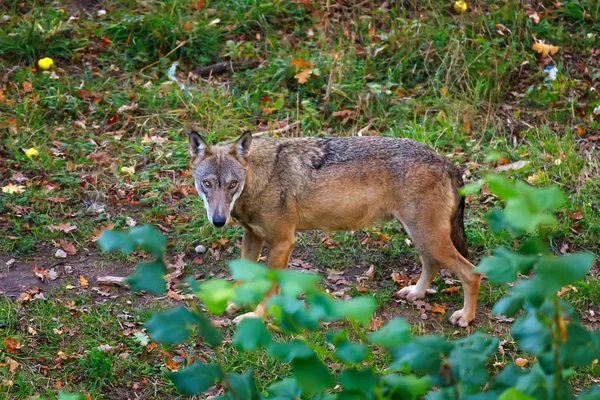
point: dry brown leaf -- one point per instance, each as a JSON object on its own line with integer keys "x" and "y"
{"x": 68, "y": 247}
{"x": 300, "y": 63}
{"x": 375, "y": 324}
{"x": 545, "y": 49}
{"x": 343, "y": 113}
{"x": 62, "y": 227}
{"x": 40, "y": 273}
{"x": 303, "y": 76}
{"x": 577, "y": 215}
{"x": 26, "y": 87}
{"x": 11, "y": 345}
{"x": 370, "y": 273}
{"x": 12, "y": 364}
{"x": 521, "y": 362}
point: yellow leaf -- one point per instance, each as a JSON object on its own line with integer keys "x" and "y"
{"x": 12, "y": 188}
{"x": 129, "y": 170}
{"x": 303, "y": 76}
{"x": 443, "y": 91}
{"x": 545, "y": 49}
{"x": 521, "y": 362}
{"x": 83, "y": 282}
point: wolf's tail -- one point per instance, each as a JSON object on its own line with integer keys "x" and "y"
{"x": 459, "y": 238}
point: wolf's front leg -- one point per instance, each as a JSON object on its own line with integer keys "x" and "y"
{"x": 278, "y": 258}
{"x": 252, "y": 245}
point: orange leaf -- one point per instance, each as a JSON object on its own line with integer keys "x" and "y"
{"x": 577, "y": 215}
{"x": 106, "y": 41}
{"x": 452, "y": 289}
{"x": 521, "y": 362}
{"x": 68, "y": 247}
{"x": 11, "y": 345}
{"x": 545, "y": 49}
{"x": 436, "y": 308}
{"x": 300, "y": 63}
{"x": 303, "y": 76}
{"x": 83, "y": 282}
{"x": 26, "y": 87}
{"x": 40, "y": 273}
{"x": 12, "y": 364}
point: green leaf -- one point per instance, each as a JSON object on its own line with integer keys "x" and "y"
{"x": 423, "y": 354}
{"x": 360, "y": 380}
{"x": 149, "y": 239}
{"x": 312, "y": 375}
{"x": 406, "y": 386}
{"x": 251, "y": 292}
{"x": 557, "y": 272}
{"x": 247, "y": 271}
{"x": 502, "y": 187}
{"x": 508, "y": 306}
{"x": 251, "y": 334}
{"x": 531, "y": 290}
{"x": 111, "y": 241}
{"x": 209, "y": 333}
{"x": 532, "y": 334}
{"x": 285, "y": 389}
{"x": 149, "y": 276}
{"x": 473, "y": 187}
{"x": 293, "y": 283}
{"x": 216, "y": 294}
{"x": 394, "y": 333}
{"x": 197, "y": 378}
{"x": 291, "y": 314}
{"x": 67, "y": 396}
{"x": 243, "y": 385}
{"x": 503, "y": 265}
{"x": 170, "y": 326}
{"x": 351, "y": 352}
{"x": 359, "y": 309}
{"x": 582, "y": 346}
{"x": 291, "y": 350}
{"x": 469, "y": 356}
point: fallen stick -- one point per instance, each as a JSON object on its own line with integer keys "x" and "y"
{"x": 225, "y": 66}
{"x": 276, "y": 131}
{"x": 112, "y": 280}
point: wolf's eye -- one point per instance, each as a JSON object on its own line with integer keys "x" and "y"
{"x": 206, "y": 183}
{"x": 233, "y": 184}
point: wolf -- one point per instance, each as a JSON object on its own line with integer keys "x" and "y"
{"x": 274, "y": 188}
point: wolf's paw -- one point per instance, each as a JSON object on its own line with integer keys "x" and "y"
{"x": 252, "y": 314}
{"x": 461, "y": 318}
{"x": 411, "y": 293}
{"x": 231, "y": 308}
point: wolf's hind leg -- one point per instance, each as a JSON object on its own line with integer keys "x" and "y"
{"x": 430, "y": 269}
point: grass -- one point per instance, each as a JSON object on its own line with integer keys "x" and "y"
{"x": 470, "y": 85}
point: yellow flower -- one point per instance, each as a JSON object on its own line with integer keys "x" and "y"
{"x": 32, "y": 153}
{"x": 460, "y": 7}
{"x": 45, "y": 63}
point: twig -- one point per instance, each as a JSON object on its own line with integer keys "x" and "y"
{"x": 112, "y": 280}
{"x": 330, "y": 83}
{"x": 276, "y": 131}
{"x": 166, "y": 55}
{"x": 363, "y": 130}
{"x": 224, "y": 67}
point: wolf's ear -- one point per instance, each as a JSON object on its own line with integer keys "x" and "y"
{"x": 198, "y": 147}
{"x": 242, "y": 145}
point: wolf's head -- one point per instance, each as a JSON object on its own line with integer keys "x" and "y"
{"x": 220, "y": 174}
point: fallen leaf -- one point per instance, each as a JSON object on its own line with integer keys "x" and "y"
{"x": 62, "y": 227}
{"x": 31, "y": 331}
{"x": 512, "y": 166}
{"x": 300, "y": 63}
{"x": 302, "y": 76}
{"x": 375, "y": 324}
{"x": 199, "y": 5}
{"x": 343, "y": 113}
{"x": 106, "y": 41}
{"x": 370, "y": 273}
{"x": 40, "y": 273}
{"x": 123, "y": 109}
{"x": 24, "y": 298}
{"x": 11, "y": 345}
{"x": 534, "y": 17}
{"x": 68, "y": 247}
{"x": 521, "y": 362}
{"x": 128, "y": 170}
{"x": 452, "y": 289}
{"x": 436, "y": 308}
{"x": 56, "y": 199}
{"x": 12, "y": 364}
{"x": 11, "y": 188}
{"x": 83, "y": 282}
{"x": 577, "y": 215}
{"x": 26, "y": 87}
{"x": 544, "y": 49}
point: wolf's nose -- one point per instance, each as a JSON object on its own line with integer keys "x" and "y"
{"x": 219, "y": 221}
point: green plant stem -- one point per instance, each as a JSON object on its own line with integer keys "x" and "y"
{"x": 221, "y": 364}
{"x": 556, "y": 344}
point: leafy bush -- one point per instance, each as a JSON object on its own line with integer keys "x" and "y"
{"x": 547, "y": 326}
